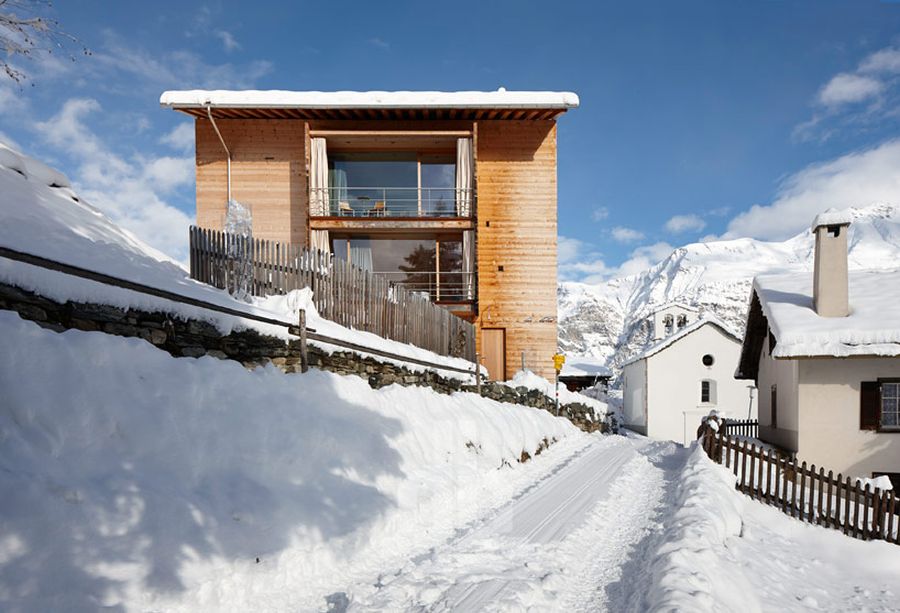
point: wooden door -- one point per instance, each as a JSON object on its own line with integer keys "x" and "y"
{"x": 493, "y": 348}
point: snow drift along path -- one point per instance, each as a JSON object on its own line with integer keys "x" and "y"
{"x": 552, "y": 546}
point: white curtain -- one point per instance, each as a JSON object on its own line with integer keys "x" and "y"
{"x": 361, "y": 254}
{"x": 318, "y": 177}
{"x": 468, "y": 264}
{"x": 318, "y": 239}
{"x": 465, "y": 168}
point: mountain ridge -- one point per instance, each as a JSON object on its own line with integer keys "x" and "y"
{"x": 608, "y": 320}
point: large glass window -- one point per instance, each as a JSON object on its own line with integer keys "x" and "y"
{"x": 438, "y": 186}
{"x": 391, "y": 184}
{"x": 428, "y": 265}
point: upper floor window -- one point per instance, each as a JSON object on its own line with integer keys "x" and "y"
{"x": 890, "y": 405}
{"x": 708, "y": 391}
{"x": 880, "y": 405}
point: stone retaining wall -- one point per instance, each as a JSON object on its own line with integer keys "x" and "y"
{"x": 193, "y": 338}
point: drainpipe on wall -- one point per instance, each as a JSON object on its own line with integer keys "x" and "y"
{"x": 224, "y": 146}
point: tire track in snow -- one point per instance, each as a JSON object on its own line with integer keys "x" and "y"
{"x": 552, "y": 544}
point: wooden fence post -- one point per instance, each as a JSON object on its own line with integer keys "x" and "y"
{"x": 477, "y": 373}
{"x": 304, "y": 353}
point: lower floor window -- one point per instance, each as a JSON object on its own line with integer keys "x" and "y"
{"x": 890, "y": 405}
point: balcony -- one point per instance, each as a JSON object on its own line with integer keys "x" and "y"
{"x": 397, "y": 203}
{"x": 445, "y": 288}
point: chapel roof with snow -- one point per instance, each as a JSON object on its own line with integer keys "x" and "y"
{"x": 677, "y": 336}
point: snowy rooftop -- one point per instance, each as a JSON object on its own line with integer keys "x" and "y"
{"x": 281, "y": 99}
{"x": 672, "y": 338}
{"x": 672, "y": 304}
{"x": 832, "y": 217}
{"x": 585, "y": 367}
{"x": 872, "y": 328}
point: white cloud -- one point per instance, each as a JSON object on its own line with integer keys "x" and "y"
{"x": 885, "y": 60}
{"x": 643, "y": 258}
{"x": 180, "y": 138}
{"x": 855, "y": 179}
{"x": 229, "y": 42}
{"x": 621, "y": 234}
{"x": 600, "y": 213}
{"x": 580, "y": 261}
{"x": 130, "y": 191}
{"x": 684, "y": 223}
{"x": 847, "y": 88}
{"x": 380, "y": 43}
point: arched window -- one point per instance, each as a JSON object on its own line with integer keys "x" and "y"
{"x": 707, "y": 391}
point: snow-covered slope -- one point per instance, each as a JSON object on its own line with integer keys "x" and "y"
{"x": 40, "y": 214}
{"x": 131, "y": 479}
{"x": 607, "y": 320}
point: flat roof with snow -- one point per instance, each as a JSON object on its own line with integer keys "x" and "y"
{"x": 499, "y": 104}
{"x": 584, "y": 367}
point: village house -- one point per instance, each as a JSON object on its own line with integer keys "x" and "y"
{"x": 579, "y": 373}
{"x": 452, "y": 194}
{"x": 685, "y": 374}
{"x": 824, "y": 350}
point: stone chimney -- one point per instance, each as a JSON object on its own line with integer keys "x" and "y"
{"x": 830, "y": 292}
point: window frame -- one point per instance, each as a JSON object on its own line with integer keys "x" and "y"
{"x": 881, "y": 427}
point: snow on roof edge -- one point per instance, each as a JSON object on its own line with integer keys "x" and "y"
{"x": 371, "y": 99}
{"x": 832, "y": 217}
{"x": 838, "y": 337}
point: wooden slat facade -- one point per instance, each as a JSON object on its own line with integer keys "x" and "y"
{"x": 516, "y": 203}
{"x": 516, "y": 184}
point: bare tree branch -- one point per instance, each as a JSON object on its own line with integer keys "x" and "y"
{"x": 24, "y": 32}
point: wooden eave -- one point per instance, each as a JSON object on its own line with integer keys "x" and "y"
{"x": 754, "y": 336}
{"x": 374, "y": 114}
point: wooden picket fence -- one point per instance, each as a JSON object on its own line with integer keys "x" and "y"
{"x": 805, "y": 492}
{"x": 341, "y": 292}
{"x": 740, "y": 427}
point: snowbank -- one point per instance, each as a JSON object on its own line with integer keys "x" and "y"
{"x": 132, "y": 478}
{"x": 527, "y": 378}
{"x": 40, "y": 215}
{"x": 689, "y": 571}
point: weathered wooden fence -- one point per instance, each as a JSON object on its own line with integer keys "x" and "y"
{"x": 341, "y": 292}
{"x": 740, "y": 427}
{"x": 804, "y": 492}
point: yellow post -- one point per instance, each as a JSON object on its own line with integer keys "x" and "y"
{"x": 558, "y": 361}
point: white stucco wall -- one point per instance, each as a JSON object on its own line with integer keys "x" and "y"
{"x": 674, "y": 374}
{"x": 634, "y": 396}
{"x": 784, "y": 374}
{"x": 829, "y": 416}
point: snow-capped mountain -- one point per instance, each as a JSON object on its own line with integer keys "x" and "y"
{"x": 609, "y": 320}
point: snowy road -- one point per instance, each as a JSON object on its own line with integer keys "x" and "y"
{"x": 559, "y": 544}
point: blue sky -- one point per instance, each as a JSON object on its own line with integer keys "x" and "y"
{"x": 698, "y": 119}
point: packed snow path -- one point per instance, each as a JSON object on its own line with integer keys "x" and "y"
{"x": 561, "y": 543}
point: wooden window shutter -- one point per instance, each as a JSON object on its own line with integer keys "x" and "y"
{"x": 869, "y": 405}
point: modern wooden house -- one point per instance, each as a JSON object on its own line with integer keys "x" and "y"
{"x": 449, "y": 193}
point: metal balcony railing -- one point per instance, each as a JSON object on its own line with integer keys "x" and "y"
{"x": 391, "y": 202}
{"x": 438, "y": 286}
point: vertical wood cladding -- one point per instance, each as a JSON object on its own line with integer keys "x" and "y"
{"x": 516, "y": 182}
{"x": 268, "y": 172}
